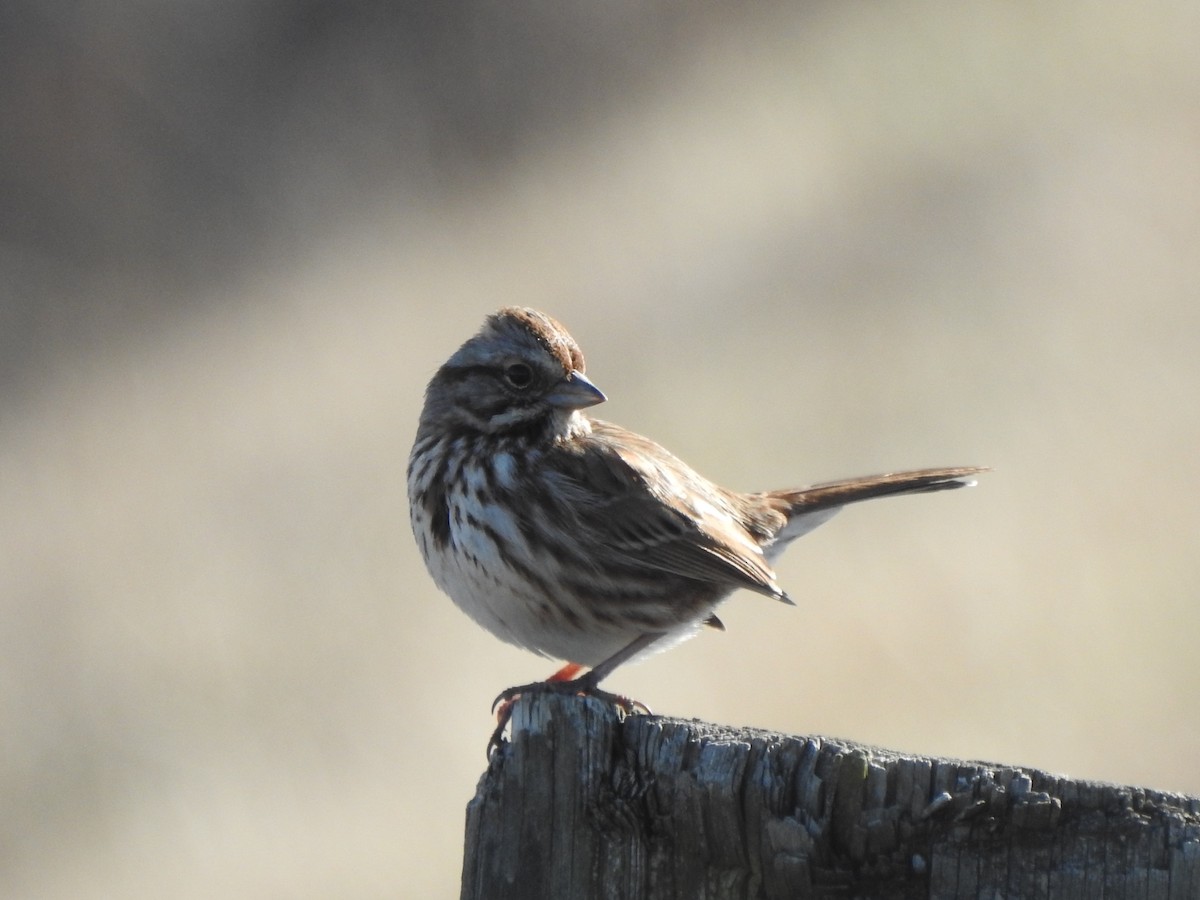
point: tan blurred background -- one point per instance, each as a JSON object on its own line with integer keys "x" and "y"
{"x": 797, "y": 242}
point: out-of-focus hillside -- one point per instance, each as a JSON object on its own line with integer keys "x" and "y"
{"x": 797, "y": 242}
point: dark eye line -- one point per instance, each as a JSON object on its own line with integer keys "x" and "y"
{"x": 463, "y": 373}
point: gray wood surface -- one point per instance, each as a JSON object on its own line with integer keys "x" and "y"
{"x": 586, "y": 804}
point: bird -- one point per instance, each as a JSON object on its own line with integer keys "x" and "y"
{"x": 578, "y": 539}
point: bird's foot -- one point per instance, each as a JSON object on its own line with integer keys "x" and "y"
{"x": 561, "y": 682}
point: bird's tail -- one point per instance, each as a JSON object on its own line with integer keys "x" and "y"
{"x": 808, "y": 507}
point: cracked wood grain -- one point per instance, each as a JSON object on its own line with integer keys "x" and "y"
{"x": 586, "y": 804}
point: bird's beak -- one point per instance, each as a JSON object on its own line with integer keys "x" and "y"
{"x": 575, "y": 392}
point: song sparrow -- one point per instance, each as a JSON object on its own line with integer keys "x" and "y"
{"x": 575, "y": 538}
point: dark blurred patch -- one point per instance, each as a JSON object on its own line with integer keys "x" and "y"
{"x": 171, "y": 142}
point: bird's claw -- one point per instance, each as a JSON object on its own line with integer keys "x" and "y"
{"x": 506, "y": 700}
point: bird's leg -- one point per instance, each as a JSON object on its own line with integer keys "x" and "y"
{"x": 503, "y": 704}
{"x": 564, "y": 681}
{"x": 589, "y": 683}
{"x": 567, "y": 672}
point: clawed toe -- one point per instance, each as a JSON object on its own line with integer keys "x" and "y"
{"x": 506, "y": 700}
{"x": 627, "y": 705}
{"x": 497, "y": 738}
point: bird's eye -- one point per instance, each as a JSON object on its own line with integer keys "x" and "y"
{"x": 518, "y": 375}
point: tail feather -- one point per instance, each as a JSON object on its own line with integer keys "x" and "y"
{"x": 839, "y": 493}
{"x": 808, "y": 507}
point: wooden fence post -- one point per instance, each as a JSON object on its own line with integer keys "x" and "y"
{"x": 586, "y": 804}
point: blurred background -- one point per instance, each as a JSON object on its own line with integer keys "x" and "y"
{"x": 797, "y": 241}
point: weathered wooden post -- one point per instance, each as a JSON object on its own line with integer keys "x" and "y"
{"x": 585, "y": 804}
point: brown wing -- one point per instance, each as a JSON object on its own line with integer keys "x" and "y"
{"x": 634, "y": 498}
